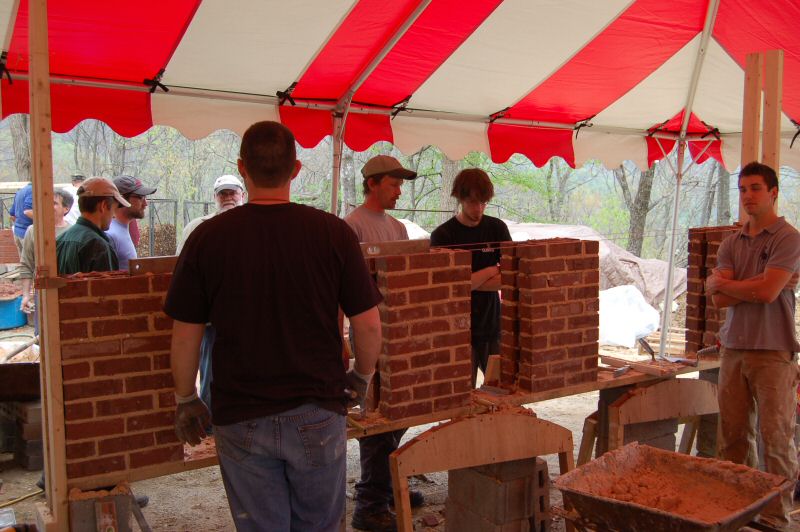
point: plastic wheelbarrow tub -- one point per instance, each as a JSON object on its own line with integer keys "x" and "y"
{"x": 11, "y": 316}
{"x": 641, "y": 488}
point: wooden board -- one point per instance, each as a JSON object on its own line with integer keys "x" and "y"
{"x": 664, "y": 369}
{"x": 396, "y": 247}
{"x": 468, "y": 442}
{"x": 773, "y": 101}
{"x": 152, "y": 265}
{"x": 751, "y": 115}
{"x": 669, "y": 399}
{"x": 377, "y": 424}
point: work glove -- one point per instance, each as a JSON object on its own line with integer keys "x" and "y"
{"x": 191, "y": 418}
{"x": 356, "y": 389}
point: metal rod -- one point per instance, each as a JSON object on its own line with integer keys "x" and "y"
{"x": 666, "y": 313}
{"x": 342, "y": 108}
{"x": 711, "y": 16}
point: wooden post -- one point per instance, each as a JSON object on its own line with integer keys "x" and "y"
{"x": 55, "y": 517}
{"x": 773, "y": 102}
{"x": 751, "y": 113}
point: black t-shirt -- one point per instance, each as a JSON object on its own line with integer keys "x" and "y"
{"x": 482, "y": 240}
{"x": 270, "y": 279}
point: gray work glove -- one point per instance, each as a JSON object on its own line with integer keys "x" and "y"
{"x": 191, "y": 419}
{"x": 356, "y": 389}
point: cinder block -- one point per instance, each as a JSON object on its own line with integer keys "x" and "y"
{"x": 501, "y": 494}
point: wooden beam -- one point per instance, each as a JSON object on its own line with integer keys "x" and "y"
{"x": 664, "y": 369}
{"x": 773, "y": 103}
{"x": 468, "y": 442}
{"x": 674, "y": 398}
{"x": 394, "y": 247}
{"x": 44, "y": 227}
{"x": 751, "y": 113}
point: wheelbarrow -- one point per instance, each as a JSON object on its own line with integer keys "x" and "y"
{"x": 643, "y": 489}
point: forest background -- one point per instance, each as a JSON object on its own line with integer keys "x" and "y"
{"x": 627, "y": 205}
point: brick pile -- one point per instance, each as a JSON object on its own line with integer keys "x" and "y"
{"x": 549, "y": 316}
{"x": 28, "y": 446}
{"x": 425, "y": 364}
{"x": 9, "y": 254}
{"x": 118, "y": 389}
{"x": 703, "y": 321}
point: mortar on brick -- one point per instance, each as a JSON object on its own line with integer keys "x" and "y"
{"x": 549, "y": 316}
{"x": 425, "y": 363}
{"x": 115, "y": 376}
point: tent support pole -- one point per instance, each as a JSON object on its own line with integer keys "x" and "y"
{"x": 343, "y": 105}
{"x": 338, "y": 145}
{"x": 666, "y": 313}
{"x": 54, "y": 515}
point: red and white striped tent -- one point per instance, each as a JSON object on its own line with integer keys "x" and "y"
{"x": 501, "y": 77}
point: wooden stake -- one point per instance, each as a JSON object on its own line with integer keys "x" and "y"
{"x": 773, "y": 102}
{"x": 463, "y": 443}
{"x": 674, "y": 398}
{"x": 44, "y": 227}
{"x": 751, "y": 113}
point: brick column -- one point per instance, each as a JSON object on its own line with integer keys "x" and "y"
{"x": 425, "y": 365}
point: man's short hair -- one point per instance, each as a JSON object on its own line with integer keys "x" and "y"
{"x": 268, "y": 153}
{"x": 756, "y": 168}
{"x": 66, "y": 198}
{"x": 375, "y": 179}
{"x": 91, "y": 203}
{"x": 473, "y": 183}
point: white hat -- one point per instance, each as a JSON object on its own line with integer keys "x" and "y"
{"x": 227, "y": 182}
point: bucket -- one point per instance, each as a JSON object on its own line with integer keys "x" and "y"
{"x": 11, "y": 316}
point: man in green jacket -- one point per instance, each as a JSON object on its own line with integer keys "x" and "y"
{"x": 84, "y": 247}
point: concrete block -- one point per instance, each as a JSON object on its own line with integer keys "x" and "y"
{"x": 459, "y": 518}
{"x": 83, "y": 513}
{"x": 503, "y": 497}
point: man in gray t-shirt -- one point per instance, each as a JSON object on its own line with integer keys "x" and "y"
{"x": 383, "y": 176}
{"x": 754, "y": 279}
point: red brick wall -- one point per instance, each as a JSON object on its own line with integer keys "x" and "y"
{"x": 425, "y": 365}
{"x": 550, "y": 321}
{"x": 9, "y": 254}
{"x": 703, "y": 321}
{"x": 118, "y": 390}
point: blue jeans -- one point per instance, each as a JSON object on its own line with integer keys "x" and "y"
{"x": 206, "y": 348}
{"x": 285, "y": 472}
{"x": 374, "y": 490}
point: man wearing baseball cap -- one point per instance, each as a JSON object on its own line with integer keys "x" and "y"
{"x": 383, "y": 177}
{"x": 135, "y": 192}
{"x": 228, "y": 193}
{"x": 84, "y": 247}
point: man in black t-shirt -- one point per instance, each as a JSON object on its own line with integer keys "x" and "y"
{"x": 471, "y": 229}
{"x": 270, "y": 277}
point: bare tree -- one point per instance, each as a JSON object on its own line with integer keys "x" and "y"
{"x": 723, "y": 196}
{"x": 21, "y": 145}
{"x": 446, "y": 202}
{"x": 638, "y": 206}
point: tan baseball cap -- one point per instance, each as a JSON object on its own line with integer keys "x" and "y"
{"x": 100, "y": 187}
{"x": 386, "y": 165}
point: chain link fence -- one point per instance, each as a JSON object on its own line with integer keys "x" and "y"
{"x": 196, "y": 209}
{"x": 158, "y": 229}
{"x": 6, "y": 202}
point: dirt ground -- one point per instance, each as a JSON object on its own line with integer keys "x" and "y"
{"x": 195, "y": 500}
